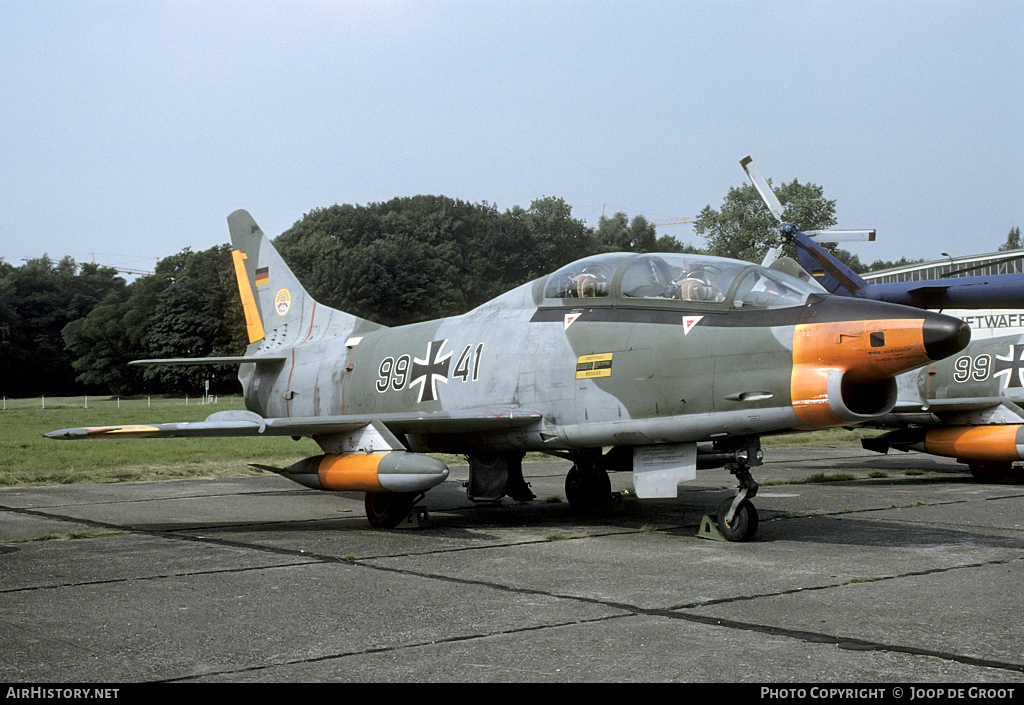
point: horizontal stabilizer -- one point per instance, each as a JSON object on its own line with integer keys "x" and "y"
{"x": 832, "y": 274}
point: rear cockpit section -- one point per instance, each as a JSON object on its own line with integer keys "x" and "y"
{"x": 696, "y": 279}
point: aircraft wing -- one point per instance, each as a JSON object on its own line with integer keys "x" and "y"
{"x": 247, "y": 423}
{"x": 977, "y": 411}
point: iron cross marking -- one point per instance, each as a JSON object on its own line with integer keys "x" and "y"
{"x": 427, "y": 373}
{"x": 1012, "y": 367}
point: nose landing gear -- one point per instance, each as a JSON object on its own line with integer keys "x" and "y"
{"x": 737, "y": 517}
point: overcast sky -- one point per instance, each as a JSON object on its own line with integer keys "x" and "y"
{"x": 131, "y": 129}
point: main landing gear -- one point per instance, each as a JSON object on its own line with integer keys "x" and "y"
{"x": 587, "y": 487}
{"x": 386, "y": 510}
{"x": 993, "y": 472}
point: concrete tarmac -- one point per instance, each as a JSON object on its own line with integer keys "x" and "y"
{"x": 909, "y": 578}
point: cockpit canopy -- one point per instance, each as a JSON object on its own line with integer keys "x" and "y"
{"x": 698, "y": 279}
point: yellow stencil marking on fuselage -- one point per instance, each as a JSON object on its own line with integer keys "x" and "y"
{"x": 591, "y": 366}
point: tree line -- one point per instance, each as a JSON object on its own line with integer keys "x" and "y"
{"x": 69, "y": 328}
{"x": 424, "y": 257}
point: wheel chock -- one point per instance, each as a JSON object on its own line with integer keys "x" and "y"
{"x": 709, "y": 530}
{"x": 417, "y": 518}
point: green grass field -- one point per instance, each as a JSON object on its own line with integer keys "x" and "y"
{"x": 27, "y": 458}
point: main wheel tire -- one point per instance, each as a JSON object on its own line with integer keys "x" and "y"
{"x": 587, "y": 490}
{"x": 386, "y": 510}
{"x": 743, "y": 525}
{"x": 991, "y": 472}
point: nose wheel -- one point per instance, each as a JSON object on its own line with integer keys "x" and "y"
{"x": 743, "y": 524}
{"x": 737, "y": 517}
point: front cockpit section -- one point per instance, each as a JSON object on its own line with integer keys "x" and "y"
{"x": 589, "y": 278}
{"x": 701, "y": 280}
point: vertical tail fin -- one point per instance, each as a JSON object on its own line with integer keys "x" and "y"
{"x": 278, "y": 310}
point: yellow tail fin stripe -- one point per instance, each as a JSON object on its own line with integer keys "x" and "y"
{"x": 252, "y": 314}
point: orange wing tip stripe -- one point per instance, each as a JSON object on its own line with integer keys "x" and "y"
{"x": 120, "y": 431}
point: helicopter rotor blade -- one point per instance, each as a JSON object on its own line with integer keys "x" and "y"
{"x": 841, "y": 235}
{"x": 761, "y": 184}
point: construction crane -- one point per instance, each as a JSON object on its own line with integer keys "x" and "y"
{"x": 672, "y": 221}
{"x": 658, "y": 223}
{"x": 122, "y": 270}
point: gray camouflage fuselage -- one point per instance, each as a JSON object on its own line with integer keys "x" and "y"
{"x": 601, "y": 371}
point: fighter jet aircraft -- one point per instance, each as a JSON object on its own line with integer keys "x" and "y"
{"x": 970, "y": 407}
{"x": 654, "y": 364}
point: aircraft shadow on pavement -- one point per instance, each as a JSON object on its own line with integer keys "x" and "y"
{"x": 679, "y": 518}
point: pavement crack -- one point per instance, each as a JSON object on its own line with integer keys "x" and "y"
{"x": 833, "y": 586}
{"x": 848, "y": 643}
{"x": 388, "y": 649}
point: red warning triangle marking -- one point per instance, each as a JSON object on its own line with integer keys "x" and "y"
{"x": 689, "y": 322}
